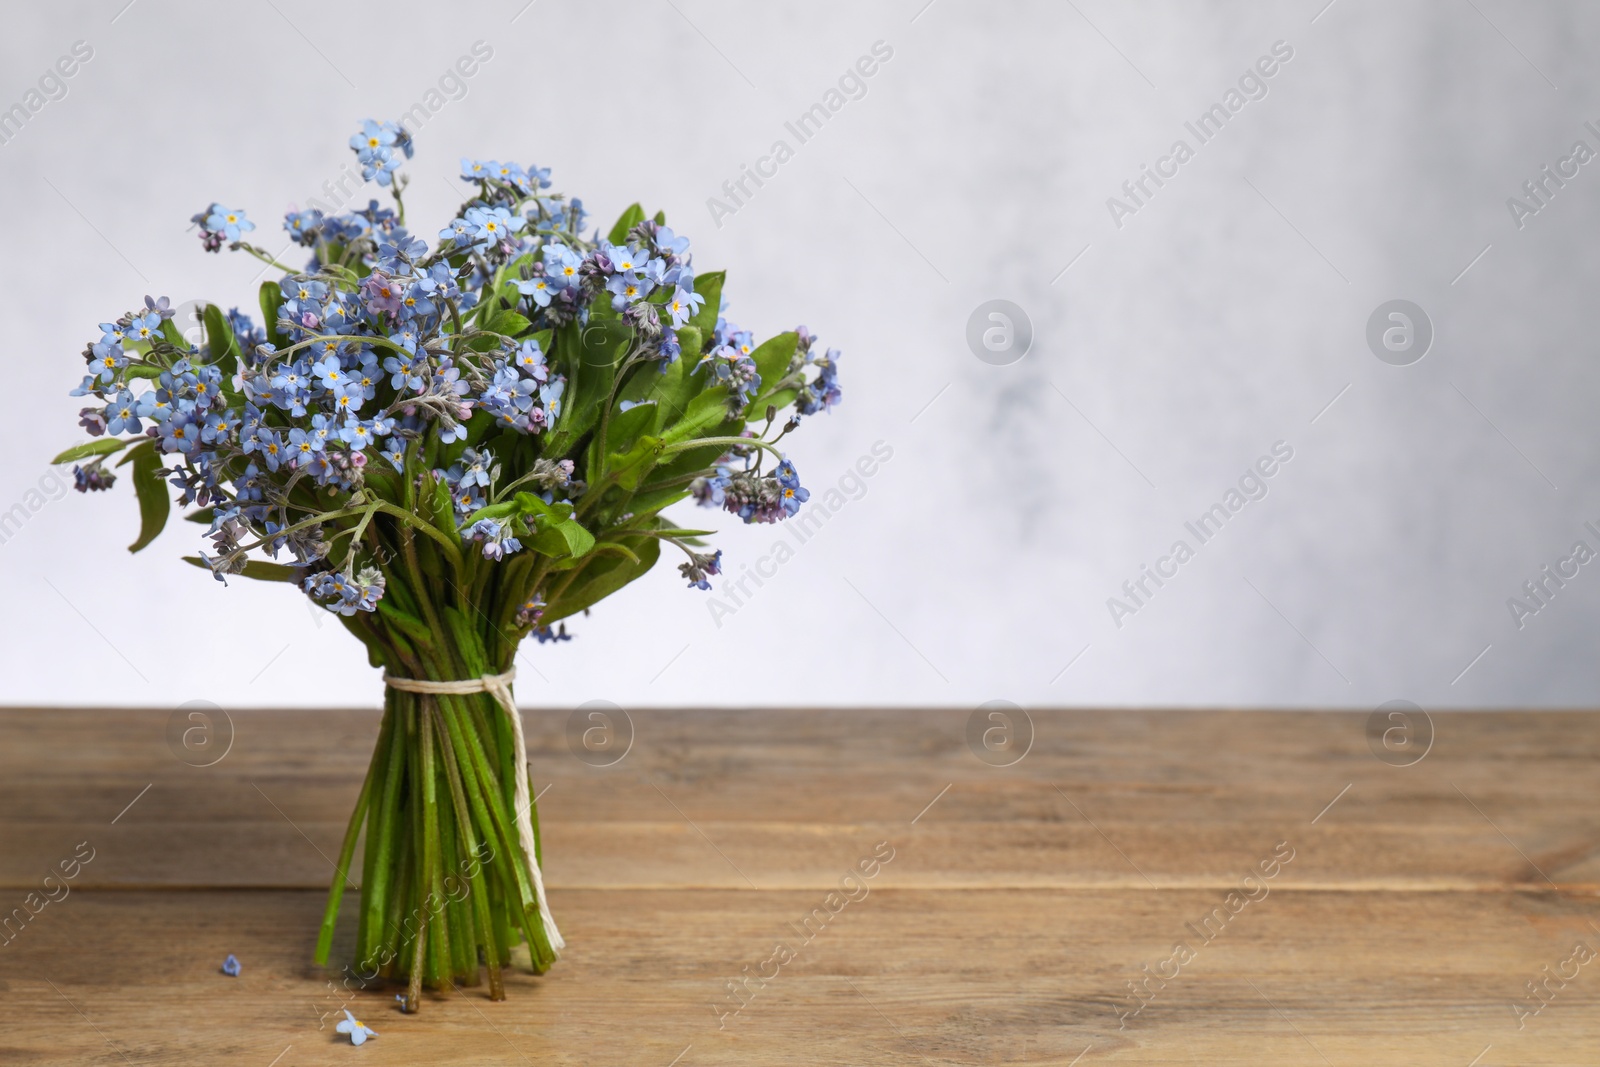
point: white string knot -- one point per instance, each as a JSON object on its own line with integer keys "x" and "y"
{"x": 499, "y": 687}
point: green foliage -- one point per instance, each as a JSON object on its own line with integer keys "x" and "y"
{"x": 630, "y": 218}
{"x": 271, "y": 299}
{"x": 220, "y": 339}
{"x": 709, "y": 286}
{"x": 554, "y": 532}
{"x": 691, "y": 341}
{"x": 150, "y": 484}
{"x": 101, "y": 446}
{"x": 773, "y": 360}
{"x": 604, "y": 575}
{"x": 260, "y": 570}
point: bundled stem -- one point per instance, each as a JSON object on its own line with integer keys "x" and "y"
{"x": 447, "y": 887}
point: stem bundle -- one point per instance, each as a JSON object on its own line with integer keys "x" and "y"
{"x": 447, "y": 888}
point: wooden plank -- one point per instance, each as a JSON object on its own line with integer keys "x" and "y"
{"x": 1022, "y": 901}
{"x": 1120, "y": 798}
{"x": 901, "y": 976}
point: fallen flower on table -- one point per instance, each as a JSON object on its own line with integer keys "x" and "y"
{"x": 230, "y": 966}
{"x": 358, "y": 1030}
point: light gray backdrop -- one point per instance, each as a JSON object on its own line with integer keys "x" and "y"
{"x": 1173, "y": 344}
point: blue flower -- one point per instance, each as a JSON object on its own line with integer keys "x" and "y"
{"x": 348, "y": 398}
{"x": 625, "y": 289}
{"x": 378, "y": 164}
{"x": 493, "y": 225}
{"x": 145, "y": 327}
{"x": 509, "y": 172}
{"x": 699, "y": 567}
{"x": 496, "y": 539}
{"x": 357, "y": 434}
{"x": 330, "y": 372}
{"x": 122, "y": 414}
{"x": 373, "y": 135}
{"x": 561, "y": 265}
{"x": 406, "y": 373}
{"x": 537, "y": 287}
{"x": 108, "y": 359}
{"x": 532, "y": 179}
{"x": 474, "y": 467}
{"x": 229, "y": 222}
{"x": 303, "y": 226}
{"x": 271, "y": 447}
{"x": 530, "y": 361}
{"x": 180, "y": 434}
{"x": 230, "y": 966}
{"x": 793, "y": 493}
{"x": 218, "y": 429}
{"x": 358, "y": 1030}
{"x": 303, "y": 446}
{"x": 460, "y": 231}
{"x": 92, "y": 478}
{"x": 683, "y": 305}
{"x": 625, "y": 260}
{"x": 667, "y": 241}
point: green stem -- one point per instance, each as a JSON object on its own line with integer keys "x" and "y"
{"x": 330, "y": 914}
{"x": 477, "y": 892}
{"x": 419, "y": 880}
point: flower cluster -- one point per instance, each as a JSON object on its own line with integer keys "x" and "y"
{"x": 511, "y": 395}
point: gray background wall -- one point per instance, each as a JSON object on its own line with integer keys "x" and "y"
{"x": 1222, "y": 317}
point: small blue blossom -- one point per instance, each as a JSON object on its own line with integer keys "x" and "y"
{"x": 229, "y": 222}
{"x": 358, "y": 1030}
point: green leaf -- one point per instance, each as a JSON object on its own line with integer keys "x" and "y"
{"x": 479, "y": 425}
{"x": 616, "y": 548}
{"x": 779, "y": 400}
{"x": 205, "y": 515}
{"x": 143, "y": 370}
{"x": 674, "y": 389}
{"x": 661, "y": 218}
{"x": 503, "y": 510}
{"x": 510, "y": 323}
{"x": 534, "y": 507}
{"x": 588, "y": 355}
{"x": 149, "y": 482}
{"x": 626, "y": 426}
{"x": 652, "y": 502}
{"x": 691, "y": 341}
{"x": 628, "y": 468}
{"x": 630, "y": 218}
{"x": 169, "y": 332}
{"x": 689, "y": 461}
{"x": 259, "y": 569}
{"x": 602, "y": 576}
{"x": 103, "y": 446}
{"x": 772, "y": 363}
{"x": 555, "y": 533}
{"x": 563, "y": 539}
{"x": 220, "y": 339}
{"x": 443, "y": 512}
{"x": 271, "y": 299}
{"x": 706, "y": 411}
{"x": 710, "y": 287}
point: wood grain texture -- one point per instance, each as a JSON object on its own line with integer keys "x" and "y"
{"x": 1019, "y": 905}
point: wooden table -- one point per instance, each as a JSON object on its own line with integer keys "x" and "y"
{"x": 1020, "y": 903}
